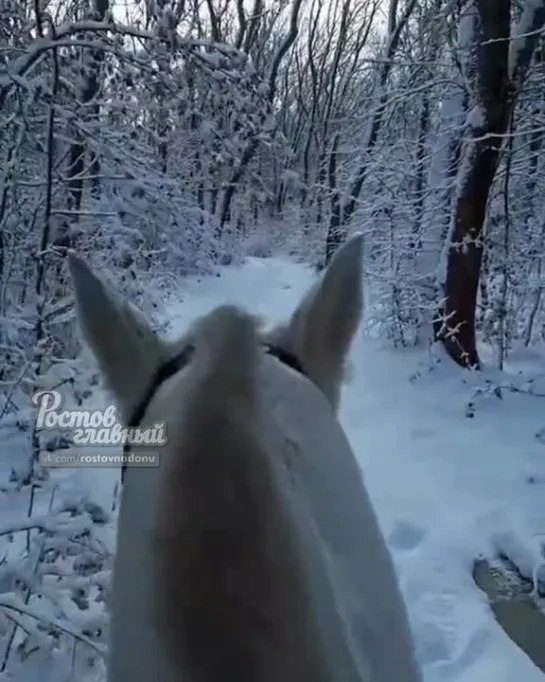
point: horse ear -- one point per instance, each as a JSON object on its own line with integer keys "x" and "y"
{"x": 321, "y": 330}
{"x": 124, "y": 345}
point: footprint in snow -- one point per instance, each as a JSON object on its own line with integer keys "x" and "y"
{"x": 405, "y": 536}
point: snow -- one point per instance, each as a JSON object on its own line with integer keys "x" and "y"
{"x": 476, "y": 118}
{"x": 468, "y": 26}
{"x": 531, "y": 20}
{"x": 453, "y": 465}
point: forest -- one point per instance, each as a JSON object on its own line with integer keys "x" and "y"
{"x": 162, "y": 139}
{"x": 159, "y": 138}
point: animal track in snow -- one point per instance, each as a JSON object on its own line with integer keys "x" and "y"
{"x": 405, "y": 536}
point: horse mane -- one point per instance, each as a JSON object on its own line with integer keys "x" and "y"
{"x": 226, "y": 560}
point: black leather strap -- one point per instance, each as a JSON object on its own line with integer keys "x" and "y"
{"x": 286, "y": 357}
{"x": 177, "y": 363}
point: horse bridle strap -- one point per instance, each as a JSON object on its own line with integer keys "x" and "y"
{"x": 176, "y": 363}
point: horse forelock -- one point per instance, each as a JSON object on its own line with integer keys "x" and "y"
{"x": 226, "y": 556}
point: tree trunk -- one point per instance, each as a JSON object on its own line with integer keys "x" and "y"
{"x": 488, "y": 123}
{"x": 91, "y": 78}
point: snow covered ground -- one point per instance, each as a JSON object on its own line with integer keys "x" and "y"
{"x": 454, "y": 465}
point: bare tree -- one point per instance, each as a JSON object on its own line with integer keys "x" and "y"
{"x": 250, "y": 150}
{"x": 503, "y": 63}
{"x": 92, "y": 61}
{"x": 342, "y": 211}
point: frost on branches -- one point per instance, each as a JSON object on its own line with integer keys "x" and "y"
{"x": 165, "y": 139}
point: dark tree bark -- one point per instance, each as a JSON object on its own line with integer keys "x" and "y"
{"x": 496, "y": 92}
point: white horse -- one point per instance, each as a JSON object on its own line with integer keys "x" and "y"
{"x": 252, "y": 552}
